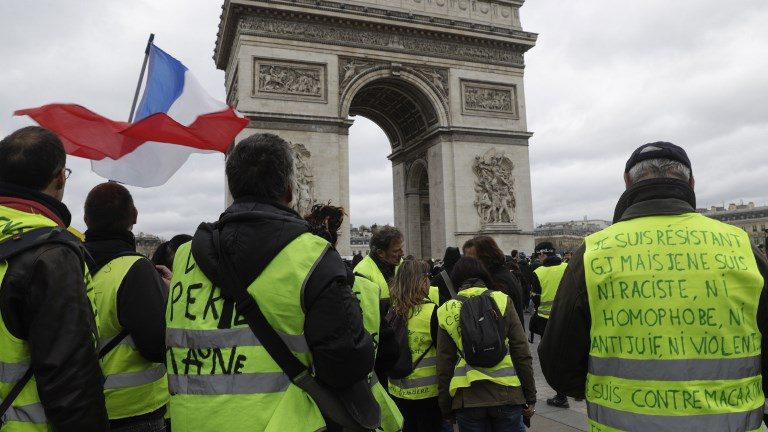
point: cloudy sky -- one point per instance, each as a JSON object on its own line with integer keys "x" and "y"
{"x": 605, "y": 77}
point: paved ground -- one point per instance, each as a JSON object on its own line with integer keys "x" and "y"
{"x": 551, "y": 419}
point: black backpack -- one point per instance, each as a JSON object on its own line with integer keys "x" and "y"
{"x": 405, "y": 364}
{"x": 483, "y": 330}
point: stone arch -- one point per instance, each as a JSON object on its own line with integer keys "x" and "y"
{"x": 418, "y": 222}
{"x": 399, "y": 100}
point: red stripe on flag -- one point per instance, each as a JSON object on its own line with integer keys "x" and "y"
{"x": 91, "y": 136}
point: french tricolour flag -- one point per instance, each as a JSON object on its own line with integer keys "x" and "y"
{"x": 175, "y": 118}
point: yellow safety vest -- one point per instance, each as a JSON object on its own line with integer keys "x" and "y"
{"x": 464, "y": 374}
{"x": 223, "y": 379}
{"x": 26, "y": 413}
{"x": 549, "y": 278}
{"x": 422, "y": 383}
{"x": 368, "y": 269}
{"x": 369, "y": 295}
{"x": 133, "y": 385}
{"x": 675, "y": 344}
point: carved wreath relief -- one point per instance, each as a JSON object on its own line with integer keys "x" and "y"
{"x": 304, "y": 180}
{"x": 299, "y": 81}
{"x": 489, "y": 100}
{"x": 494, "y": 188}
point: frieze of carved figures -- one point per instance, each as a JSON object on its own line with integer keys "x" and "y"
{"x": 304, "y": 180}
{"x": 349, "y": 68}
{"x": 489, "y": 99}
{"x": 316, "y": 32}
{"x": 295, "y": 80}
{"x": 494, "y": 188}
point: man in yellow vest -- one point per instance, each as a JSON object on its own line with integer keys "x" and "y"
{"x": 661, "y": 319}
{"x": 221, "y": 376}
{"x": 47, "y": 323}
{"x": 545, "y": 282}
{"x": 386, "y": 252}
{"x": 130, "y": 299}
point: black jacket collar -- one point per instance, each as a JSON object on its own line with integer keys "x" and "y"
{"x": 104, "y": 246}
{"x": 51, "y": 203}
{"x": 664, "y": 196}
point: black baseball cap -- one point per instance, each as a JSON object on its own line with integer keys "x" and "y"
{"x": 658, "y": 150}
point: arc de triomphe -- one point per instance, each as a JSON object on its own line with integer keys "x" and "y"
{"x": 442, "y": 78}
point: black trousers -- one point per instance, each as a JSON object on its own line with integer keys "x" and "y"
{"x": 420, "y": 415}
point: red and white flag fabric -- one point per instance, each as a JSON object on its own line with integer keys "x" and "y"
{"x": 176, "y": 117}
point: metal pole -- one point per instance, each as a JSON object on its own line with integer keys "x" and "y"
{"x": 141, "y": 77}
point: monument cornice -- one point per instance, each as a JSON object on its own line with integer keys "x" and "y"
{"x": 368, "y": 22}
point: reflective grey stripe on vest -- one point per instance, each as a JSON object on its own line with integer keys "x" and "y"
{"x": 427, "y": 362}
{"x": 248, "y": 383}
{"x": 134, "y": 379}
{"x": 501, "y": 373}
{"x": 33, "y": 413}
{"x": 12, "y": 372}
{"x": 226, "y": 338}
{"x": 676, "y": 370}
{"x": 547, "y": 303}
{"x": 128, "y": 340}
{"x": 409, "y": 383}
{"x": 735, "y": 422}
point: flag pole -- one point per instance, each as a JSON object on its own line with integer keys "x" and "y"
{"x": 141, "y": 77}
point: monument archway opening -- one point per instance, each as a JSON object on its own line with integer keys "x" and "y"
{"x": 443, "y": 80}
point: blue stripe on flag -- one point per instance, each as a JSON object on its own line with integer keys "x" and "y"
{"x": 165, "y": 82}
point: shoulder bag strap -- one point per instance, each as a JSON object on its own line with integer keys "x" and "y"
{"x": 448, "y": 283}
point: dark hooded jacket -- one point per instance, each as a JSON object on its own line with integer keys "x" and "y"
{"x": 43, "y": 301}
{"x": 256, "y": 231}
{"x": 564, "y": 349}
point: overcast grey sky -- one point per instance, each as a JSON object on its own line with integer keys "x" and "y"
{"x": 605, "y": 77}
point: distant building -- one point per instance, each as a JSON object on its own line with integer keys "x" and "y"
{"x": 750, "y": 218}
{"x": 147, "y": 243}
{"x": 568, "y": 236}
{"x": 360, "y": 239}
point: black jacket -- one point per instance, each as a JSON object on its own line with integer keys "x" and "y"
{"x": 43, "y": 301}
{"x": 342, "y": 351}
{"x": 564, "y": 349}
{"x": 509, "y": 285}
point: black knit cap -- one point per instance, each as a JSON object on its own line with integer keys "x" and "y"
{"x": 663, "y": 150}
{"x": 545, "y": 247}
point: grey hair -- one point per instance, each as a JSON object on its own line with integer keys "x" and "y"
{"x": 658, "y": 168}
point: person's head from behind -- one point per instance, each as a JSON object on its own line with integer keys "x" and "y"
{"x": 658, "y": 160}
{"x": 326, "y": 221}
{"x": 467, "y": 269}
{"x": 34, "y": 158}
{"x": 486, "y": 250}
{"x": 409, "y": 287}
{"x": 544, "y": 250}
{"x": 261, "y": 166}
{"x": 109, "y": 207}
{"x": 387, "y": 244}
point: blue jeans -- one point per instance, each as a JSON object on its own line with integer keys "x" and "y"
{"x": 504, "y": 418}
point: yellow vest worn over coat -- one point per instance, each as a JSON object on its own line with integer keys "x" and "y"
{"x": 223, "y": 379}
{"x": 26, "y": 413}
{"x": 675, "y": 344}
{"x": 464, "y": 375}
{"x": 133, "y": 385}
{"x": 549, "y": 278}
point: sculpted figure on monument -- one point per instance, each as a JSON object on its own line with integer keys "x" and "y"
{"x": 284, "y": 79}
{"x": 494, "y": 188}
{"x": 304, "y": 181}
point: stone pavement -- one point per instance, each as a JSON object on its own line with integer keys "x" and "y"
{"x": 548, "y": 418}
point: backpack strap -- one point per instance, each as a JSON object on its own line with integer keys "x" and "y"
{"x": 433, "y": 334}
{"x": 14, "y": 246}
{"x": 448, "y": 283}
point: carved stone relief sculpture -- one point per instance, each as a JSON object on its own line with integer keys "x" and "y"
{"x": 297, "y": 81}
{"x": 304, "y": 180}
{"x": 487, "y": 99}
{"x": 494, "y": 188}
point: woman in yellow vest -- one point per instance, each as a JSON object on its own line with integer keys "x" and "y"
{"x": 414, "y": 303}
{"x": 483, "y": 399}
